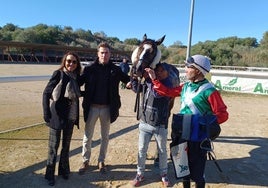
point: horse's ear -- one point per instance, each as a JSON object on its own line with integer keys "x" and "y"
{"x": 159, "y": 41}
{"x": 144, "y": 37}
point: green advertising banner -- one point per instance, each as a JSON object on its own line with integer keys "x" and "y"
{"x": 241, "y": 84}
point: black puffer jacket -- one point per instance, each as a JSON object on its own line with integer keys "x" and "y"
{"x": 89, "y": 77}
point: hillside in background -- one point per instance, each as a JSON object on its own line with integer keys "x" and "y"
{"x": 230, "y": 51}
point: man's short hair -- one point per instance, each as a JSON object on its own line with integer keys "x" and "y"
{"x": 104, "y": 45}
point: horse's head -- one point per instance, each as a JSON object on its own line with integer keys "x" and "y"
{"x": 146, "y": 55}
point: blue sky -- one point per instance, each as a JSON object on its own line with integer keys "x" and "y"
{"x": 213, "y": 19}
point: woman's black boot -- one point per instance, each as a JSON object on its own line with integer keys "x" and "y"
{"x": 49, "y": 176}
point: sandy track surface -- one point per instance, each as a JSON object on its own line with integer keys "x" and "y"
{"x": 241, "y": 149}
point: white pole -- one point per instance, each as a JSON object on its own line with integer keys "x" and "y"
{"x": 190, "y": 30}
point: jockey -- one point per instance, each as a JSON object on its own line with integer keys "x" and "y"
{"x": 198, "y": 96}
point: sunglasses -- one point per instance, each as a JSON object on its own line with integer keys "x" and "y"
{"x": 70, "y": 61}
{"x": 189, "y": 63}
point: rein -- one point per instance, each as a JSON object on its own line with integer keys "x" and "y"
{"x": 137, "y": 102}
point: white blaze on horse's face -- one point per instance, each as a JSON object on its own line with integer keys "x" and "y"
{"x": 146, "y": 47}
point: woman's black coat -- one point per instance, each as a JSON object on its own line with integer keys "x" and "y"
{"x": 62, "y": 104}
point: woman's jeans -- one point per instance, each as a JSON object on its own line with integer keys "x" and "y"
{"x": 146, "y": 132}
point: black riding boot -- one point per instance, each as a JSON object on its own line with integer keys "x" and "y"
{"x": 50, "y": 175}
{"x": 64, "y": 168}
{"x": 200, "y": 185}
{"x": 186, "y": 184}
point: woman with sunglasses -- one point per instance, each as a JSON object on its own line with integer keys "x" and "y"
{"x": 61, "y": 113}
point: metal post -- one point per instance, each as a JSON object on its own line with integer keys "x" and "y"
{"x": 190, "y": 30}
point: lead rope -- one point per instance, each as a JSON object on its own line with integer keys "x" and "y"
{"x": 137, "y": 102}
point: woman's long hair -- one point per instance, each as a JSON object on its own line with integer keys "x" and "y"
{"x": 78, "y": 68}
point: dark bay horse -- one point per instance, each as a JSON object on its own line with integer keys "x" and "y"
{"x": 146, "y": 55}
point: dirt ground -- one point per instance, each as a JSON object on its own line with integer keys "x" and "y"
{"x": 241, "y": 149}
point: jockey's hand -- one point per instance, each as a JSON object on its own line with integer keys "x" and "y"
{"x": 151, "y": 73}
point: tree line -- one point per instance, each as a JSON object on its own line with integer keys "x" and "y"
{"x": 229, "y": 51}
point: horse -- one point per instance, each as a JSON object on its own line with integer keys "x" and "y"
{"x": 147, "y": 54}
